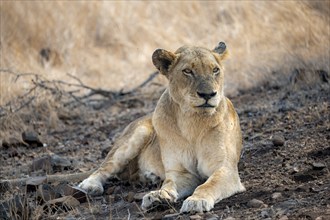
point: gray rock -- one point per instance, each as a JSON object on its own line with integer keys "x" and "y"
{"x": 42, "y": 163}
{"x": 130, "y": 196}
{"x": 196, "y": 216}
{"x": 278, "y": 140}
{"x": 230, "y": 218}
{"x": 318, "y": 166}
{"x": 255, "y": 203}
{"x": 59, "y": 162}
{"x": 171, "y": 216}
{"x": 287, "y": 204}
{"x": 276, "y": 195}
{"x": 284, "y": 217}
{"x": 283, "y": 208}
{"x": 32, "y": 139}
{"x": 265, "y": 214}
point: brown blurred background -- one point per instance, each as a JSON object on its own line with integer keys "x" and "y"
{"x": 109, "y": 44}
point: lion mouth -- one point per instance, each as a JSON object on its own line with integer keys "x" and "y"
{"x": 206, "y": 105}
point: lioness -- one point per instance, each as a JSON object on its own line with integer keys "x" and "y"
{"x": 192, "y": 141}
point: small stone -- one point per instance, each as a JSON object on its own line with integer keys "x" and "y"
{"x": 32, "y": 139}
{"x": 278, "y": 140}
{"x": 302, "y": 188}
{"x": 59, "y": 163}
{"x": 230, "y": 218}
{"x": 284, "y": 217}
{"x": 318, "y": 166}
{"x": 171, "y": 216}
{"x": 33, "y": 183}
{"x": 130, "y": 197}
{"x": 264, "y": 214}
{"x": 196, "y": 216}
{"x": 288, "y": 204}
{"x": 255, "y": 203}
{"x": 295, "y": 170}
{"x": 276, "y": 195}
{"x": 303, "y": 177}
{"x": 70, "y": 218}
{"x": 42, "y": 163}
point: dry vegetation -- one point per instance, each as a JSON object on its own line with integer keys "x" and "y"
{"x": 109, "y": 44}
{"x": 53, "y": 56}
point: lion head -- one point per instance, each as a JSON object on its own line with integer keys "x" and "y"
{"x": 196, "y": 77}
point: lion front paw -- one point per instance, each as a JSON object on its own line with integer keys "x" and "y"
{"x": 193, "y": 204}
{"x": 92, "y": 186}
{"x": 154, "y": 197}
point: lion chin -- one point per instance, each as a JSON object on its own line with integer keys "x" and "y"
{"x": 192, "y": 135}
{"x": 205, "y": 110}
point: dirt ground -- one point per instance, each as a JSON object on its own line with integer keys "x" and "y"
{"x": 284, "y": 165}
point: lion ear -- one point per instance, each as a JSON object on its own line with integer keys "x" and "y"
{"x": 221, "y": 49}
{"x": 163, "y": 59}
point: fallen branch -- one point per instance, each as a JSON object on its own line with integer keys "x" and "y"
{"x": 81, "y": 95}
{"x": 6, "y": 185}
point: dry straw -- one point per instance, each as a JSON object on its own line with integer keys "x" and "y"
{"x": 109, "y": 44}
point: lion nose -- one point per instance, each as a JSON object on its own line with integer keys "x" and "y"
{"x": 206, "y": 96}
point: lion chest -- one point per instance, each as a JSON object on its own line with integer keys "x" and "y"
{"x": 197, "y": 153}
{"x": 210, "y": 154}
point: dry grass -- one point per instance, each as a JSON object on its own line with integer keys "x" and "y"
{"x": 109, "y": 44}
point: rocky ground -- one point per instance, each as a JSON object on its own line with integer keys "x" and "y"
{"x": 284, "y": 165}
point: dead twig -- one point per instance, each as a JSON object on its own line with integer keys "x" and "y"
{"x": 149, "y": 79}
{"x": 3, "y": 112}
{"x": 81, "y": 95}
{"x": 18, "y": 75}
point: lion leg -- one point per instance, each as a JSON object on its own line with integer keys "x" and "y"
{"x": 177, "y": 185}
{"x": 221, "y": 184}
{"x": 151, "y": 169}
{"x": 135, "y": 137}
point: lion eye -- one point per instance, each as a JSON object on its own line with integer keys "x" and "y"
{"x": 216, "y": 70}
{"x": 187, "y": 72}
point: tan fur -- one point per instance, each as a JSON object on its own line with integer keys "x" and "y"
{"x": 192, "y": 146}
